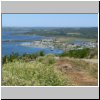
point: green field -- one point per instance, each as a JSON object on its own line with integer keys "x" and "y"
{"x": 72, "y": 39}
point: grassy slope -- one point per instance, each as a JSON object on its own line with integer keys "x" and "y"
{"x": 44, "y": 71}
{"x": 39, "y": 73}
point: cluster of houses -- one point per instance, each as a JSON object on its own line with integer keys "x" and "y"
{"x": 54, "y": 44}
{"x": 44, "y": 43}
{"x": 81, "y": 45}
{"x": 86, "y": 44}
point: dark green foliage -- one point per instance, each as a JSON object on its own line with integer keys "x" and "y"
{"x": 82, "y": 53}
{"x": 5, "y": 59}
{"x": 25, "y": 57}
{"x": 76, "y": 53}
{"x": 13, "y": 56}
{"x": 10, "y": 58}
{"x": 41, "y": 53}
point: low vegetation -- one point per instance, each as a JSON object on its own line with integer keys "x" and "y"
{"x": 43, "y": 70}
{"x": 40, "y": 73}
{"x": 25, "y": 57}
{"x": 81, "y": 53}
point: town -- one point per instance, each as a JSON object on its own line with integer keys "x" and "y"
{"x": 55, "y": 44}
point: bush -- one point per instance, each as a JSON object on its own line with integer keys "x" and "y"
{"x": 83, "y": 53}
{"x": 24, "y": 57}
{"x": 5, "y": 59}
{"x": 10, "y": 58}
{"x": 47, "y": 59}
{"x": 41, "y": 53}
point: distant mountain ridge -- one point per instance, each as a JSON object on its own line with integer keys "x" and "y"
{"x": 85, "y": 32}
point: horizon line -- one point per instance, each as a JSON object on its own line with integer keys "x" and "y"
{"x": 48, "y": 26}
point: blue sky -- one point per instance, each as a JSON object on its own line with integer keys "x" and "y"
{"x": 50, "y": 20}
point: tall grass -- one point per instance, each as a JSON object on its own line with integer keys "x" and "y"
{"x": 47, "y": 59}
{"x": 39, "y": 73}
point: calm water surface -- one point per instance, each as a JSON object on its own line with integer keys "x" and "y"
{"x": 9, "y": 47}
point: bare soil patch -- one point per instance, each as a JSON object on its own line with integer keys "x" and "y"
{"x": 77, "y": 76}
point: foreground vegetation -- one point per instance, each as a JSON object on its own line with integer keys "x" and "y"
{"x": 45, "y": 70}
{"x": 25, "y": 57}
{"x": 83, "y": 53}
{"x": 40, "y": 73}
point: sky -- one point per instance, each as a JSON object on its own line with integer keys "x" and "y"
{"x": 49, "y": 20}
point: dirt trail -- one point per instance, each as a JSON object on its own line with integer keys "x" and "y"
{"x": 79, "y": 78}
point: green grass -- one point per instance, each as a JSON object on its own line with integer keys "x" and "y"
{"x": 39, "y": 73}
{"x": 47, "y": 59}
{"x": 72, "y": 39}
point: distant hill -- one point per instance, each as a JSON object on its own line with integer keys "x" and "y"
{"x": 85, "y": 32}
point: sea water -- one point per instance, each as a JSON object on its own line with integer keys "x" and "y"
{"x": 9, "y": 47}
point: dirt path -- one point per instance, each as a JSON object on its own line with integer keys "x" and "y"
{"x": 79, "y": 78}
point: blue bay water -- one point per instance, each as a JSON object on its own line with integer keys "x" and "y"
{"x": 9, "y": 47}
{"x": 8, "y": 36}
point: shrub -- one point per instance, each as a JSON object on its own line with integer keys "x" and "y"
{"x": 41, "y": 53}
{"x": 5, "y": 59}
{"x": 83, "y": 53}
{"x": 24, "y": 57}
{"x": 47, "y": 59}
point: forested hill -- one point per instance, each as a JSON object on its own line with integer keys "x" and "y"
{"x": 85, "y": 32}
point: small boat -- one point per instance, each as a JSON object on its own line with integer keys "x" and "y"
{"x": 52, "y": 49}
